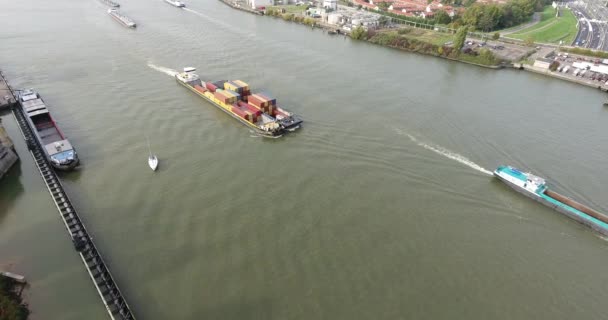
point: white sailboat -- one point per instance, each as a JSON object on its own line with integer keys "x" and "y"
{"x": 152, "y": 159}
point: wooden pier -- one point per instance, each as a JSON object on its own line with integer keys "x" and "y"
{"x": 106, "y": 287}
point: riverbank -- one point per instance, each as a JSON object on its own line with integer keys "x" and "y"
{"x": 557, "y": 75}
{"x": 12, "y": 306}
{"x": 241, "y": 6}
{"x": 8, "y": 156}
{"x": 427, "y": 42}
{"x": 407, "y": 38}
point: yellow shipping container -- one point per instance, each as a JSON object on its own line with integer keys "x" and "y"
{"x": 229, "y": 86}
{"x": 242, "y": 84}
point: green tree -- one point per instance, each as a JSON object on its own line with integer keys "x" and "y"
{"x": 442, "y": 17}
{"x": 487, "y": 57}
{"x": 460, "y": 38}
{"x": 383, "y": 6}
{"x": 358, "y": 33}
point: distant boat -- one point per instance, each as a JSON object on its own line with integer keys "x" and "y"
{"x": 152, "y": 159}
{"x": 124, "y": 20}
{"x": 153, "y": 162}
{"x": 176, "y": 3}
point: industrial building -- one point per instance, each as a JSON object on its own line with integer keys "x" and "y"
{"x": 260, "y": 3}
{"x": 349, "y": 18}
{"x": 330, "y": 4}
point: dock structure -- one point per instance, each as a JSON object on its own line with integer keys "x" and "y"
{"x": 8, "y": 156}
{"x": 7, "y": 99}
{"x": 106, "y": 286}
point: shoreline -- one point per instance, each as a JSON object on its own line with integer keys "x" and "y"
{"x": 515, "y": 65}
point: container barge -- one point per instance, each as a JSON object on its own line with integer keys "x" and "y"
{"x": 57, "y": 148}
{"x": 535, "y": 187}
{"x": 124, "y": 20}
{"x": 176, "y": 3}
{"x": 258, "y": 111}
{"x": 110, "y": 3}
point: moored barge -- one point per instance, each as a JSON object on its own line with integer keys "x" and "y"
{"x": 56, "y": 146}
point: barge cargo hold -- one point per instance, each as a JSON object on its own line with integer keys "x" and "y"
{"x": 258, "y": 111}
{"x": 124, "y": 20}
{"x": 535, "y": 188}
{"x": 57, "y": 148}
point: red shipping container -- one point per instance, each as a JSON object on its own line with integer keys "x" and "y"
{"x": 210, "y": 86}
{"x": 257, "y": 101}
{"x": 271, "y": 101}
{"x": 239, "y": 111}
{"x": 200, "y": 89}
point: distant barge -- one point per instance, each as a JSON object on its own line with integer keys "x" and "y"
{"x": 110, "y": 3}
{"x": 124, "y": 20}
{"x": 57, "y": 148}
{"x": 535, "y": 187}
{"x": 259, "y": 111}
{"x": 176, "y": 3}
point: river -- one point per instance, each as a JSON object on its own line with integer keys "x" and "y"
{"x": 381, "y": 207}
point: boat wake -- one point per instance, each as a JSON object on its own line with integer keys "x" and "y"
{"x": 164, "y": 70}
{"x": 448, "y": 154}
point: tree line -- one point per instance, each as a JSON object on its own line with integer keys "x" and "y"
{"x": 481, "y": 17}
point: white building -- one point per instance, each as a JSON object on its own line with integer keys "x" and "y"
{"x": 260, "y": 3}
{"x": 330, "y": 4}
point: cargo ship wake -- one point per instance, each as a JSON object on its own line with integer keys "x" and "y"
{"x": 447, "y": 153}
{"x": 167, "y": 71}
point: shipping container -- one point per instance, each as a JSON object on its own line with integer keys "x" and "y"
{"x": 240, "y": 112}
{"x": 210, "y": 86}
{"x": 199, "y": 88}
{"x": 233, "y": 87}
{"x": 219, "y": 84}
{"x": 233, "y": 94}
{"x": 242, "y": 84}
{"x": 271, "y": 100}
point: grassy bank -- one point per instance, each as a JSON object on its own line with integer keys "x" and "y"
{"x": 551, "y": 29}
{"x": 427, "y": 42}
{"x": 289, "y": 9}
{"x": 586, "y": 52}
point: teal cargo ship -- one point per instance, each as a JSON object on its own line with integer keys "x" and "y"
{"x": 536, "y": 188}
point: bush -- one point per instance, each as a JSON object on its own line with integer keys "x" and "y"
{"x": 496, "y": 36}
{"x": 11, "y": 305}
{"x": 288, "y": 17}
{"x": 404, "y": 31}
{"x": 554, "y": 65}
{"x": 358, "y": 33}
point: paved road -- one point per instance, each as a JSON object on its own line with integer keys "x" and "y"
{"x": 593, "y": 27}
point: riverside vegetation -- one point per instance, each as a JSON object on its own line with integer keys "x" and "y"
{"x": 409, "y": 39}
{"x": 12, "y": 306}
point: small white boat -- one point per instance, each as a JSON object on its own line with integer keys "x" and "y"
{"x": 152, "y": 159}
{"x": 153, "y": 162}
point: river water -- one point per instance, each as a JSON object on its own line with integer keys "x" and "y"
{"x": 381, "y": 207}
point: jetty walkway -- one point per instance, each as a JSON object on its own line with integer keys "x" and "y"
{"x": 106, "y": 286}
